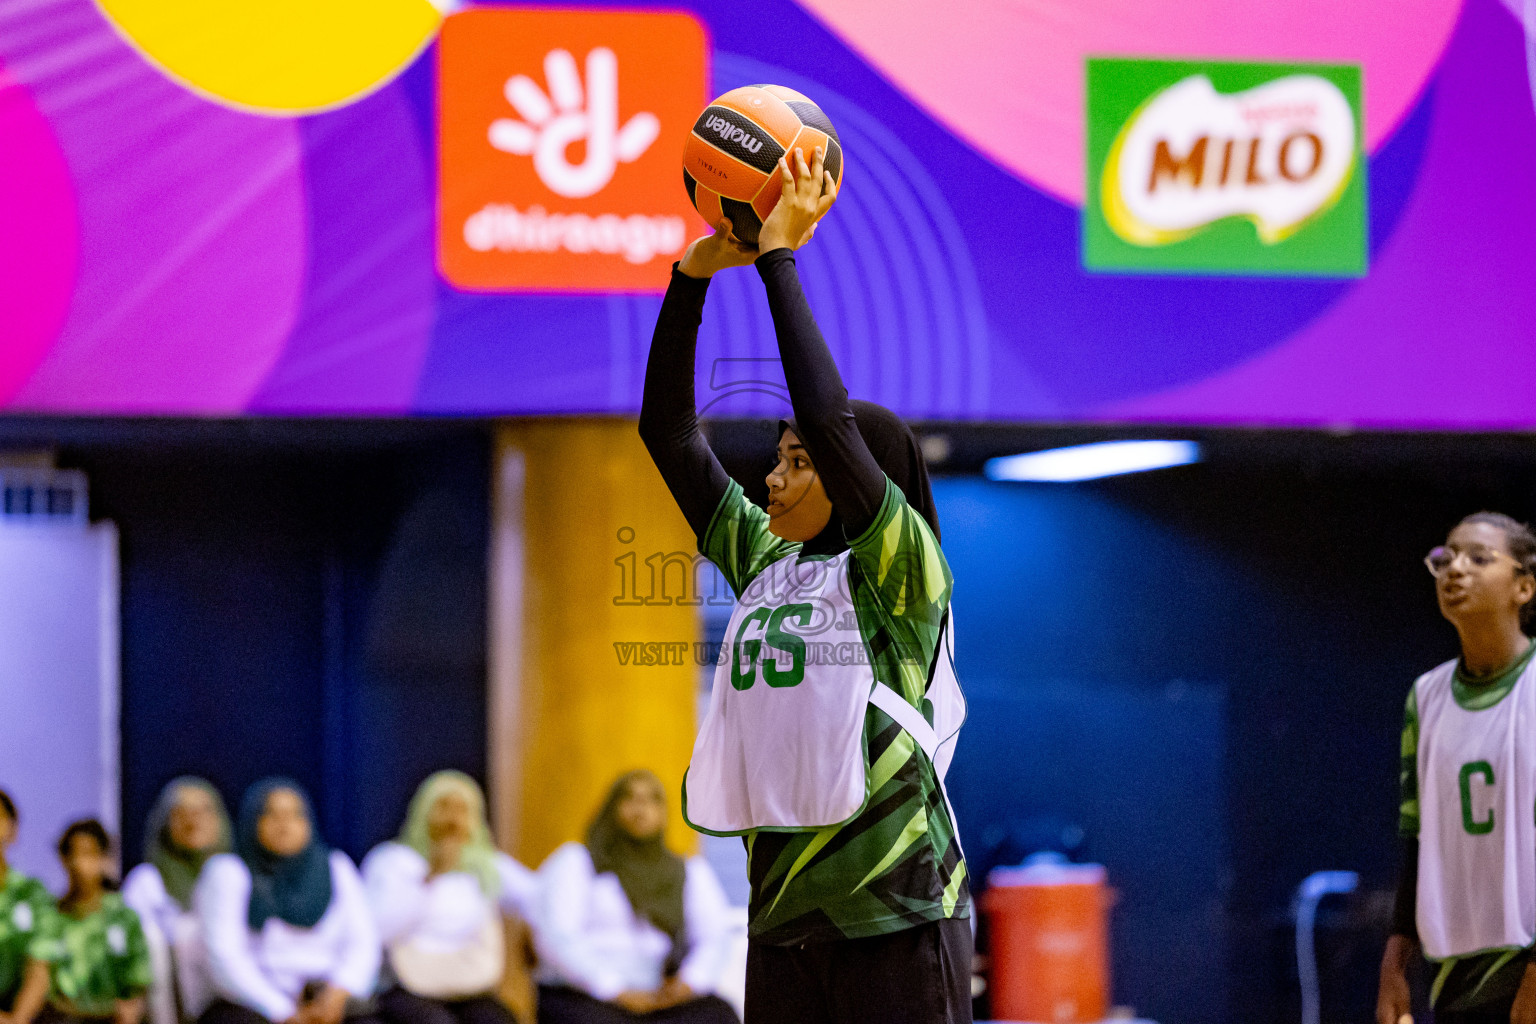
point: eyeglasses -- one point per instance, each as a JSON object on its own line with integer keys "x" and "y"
{"x": 1440, "y": 560}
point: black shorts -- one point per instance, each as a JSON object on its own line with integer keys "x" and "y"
{"x": 919, "y": 975}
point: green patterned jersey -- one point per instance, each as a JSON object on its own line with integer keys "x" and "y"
{"x": 28, "y": 929}
{"x": 102, "y": 958}
{"x": 1482, "y": 979}
{"x": 897, "y": 864}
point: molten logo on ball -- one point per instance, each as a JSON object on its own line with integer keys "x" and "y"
{"x": 730, "y": 161}
{"x": 1247, "y": 167}
{"x": 731, "y": 133}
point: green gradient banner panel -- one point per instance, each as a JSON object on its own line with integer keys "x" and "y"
{"x": 1223, "y": 167}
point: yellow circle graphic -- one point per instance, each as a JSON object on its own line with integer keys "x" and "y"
{"x": 278, "y": 56}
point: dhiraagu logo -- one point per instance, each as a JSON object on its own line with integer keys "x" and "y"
{"x": 1216, "y": 167}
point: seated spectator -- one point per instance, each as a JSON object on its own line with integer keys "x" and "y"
{"x": 102, "y": 971}
{"x": 286, "y": 924}
{"x": 28, "y": 932}
{"x": 187, "y": 825}
{"x": 628, "y": 929}
{"x": 438, "y": 895}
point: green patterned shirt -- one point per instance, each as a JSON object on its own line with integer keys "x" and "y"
{"x": 103, "y": 958}
{"x": 28, "y": 929}
{"x": 1482, "y": 979}
{"x": 897, "y": 864}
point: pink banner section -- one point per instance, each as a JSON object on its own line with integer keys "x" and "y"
{"x": 192, "y": 226}
{"x": 40, "y": 254}
{"x": 1008, "y": 77}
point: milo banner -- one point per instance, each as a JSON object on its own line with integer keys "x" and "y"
{"x": 1225, "y": 167}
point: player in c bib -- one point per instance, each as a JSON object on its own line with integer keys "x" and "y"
{"x": 834, "y": 706}
{"x": 1467, "y": 894}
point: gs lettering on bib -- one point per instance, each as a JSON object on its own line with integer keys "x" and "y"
{"x": 1477, "y": 833}
{"x": 782, "y": 745}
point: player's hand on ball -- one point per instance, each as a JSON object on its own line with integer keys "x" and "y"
{"x": 718, "y": 251}
{"x": 808, "y": 194}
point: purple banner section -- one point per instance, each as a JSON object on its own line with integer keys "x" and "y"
{"x": 166, "y": 254}
{"x": 1451, "y": 289}
{"x": 192, "y": 242}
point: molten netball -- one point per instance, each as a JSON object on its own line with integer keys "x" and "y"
{"x": 730, "y": 159}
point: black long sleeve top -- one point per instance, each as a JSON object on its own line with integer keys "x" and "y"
{"x": 854, "y": 481}
{"x": 669, "y": 423}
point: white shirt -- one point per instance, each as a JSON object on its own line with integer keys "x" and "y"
{"x": 266, "y": 970}
{"x": 445, "y": 911}
{"x": 589, "y": 937}
{"x": 175, "y": 945}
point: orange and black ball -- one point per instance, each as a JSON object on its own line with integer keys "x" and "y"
{"x": 731, "y": 159}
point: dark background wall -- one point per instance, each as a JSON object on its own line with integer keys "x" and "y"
{"x": 1097, "y": 716}
{"x": 299, "y": 599}
{"x": 1203, "y": 670}
{"x": 1196, "y": 677}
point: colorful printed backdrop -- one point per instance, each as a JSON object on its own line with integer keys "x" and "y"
{"x": 165, "y": 251}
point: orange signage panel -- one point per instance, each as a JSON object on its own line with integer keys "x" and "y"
{"x": 560, "y": 147}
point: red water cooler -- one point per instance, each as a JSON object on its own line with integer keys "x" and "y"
{"x": 1049, "y": 928}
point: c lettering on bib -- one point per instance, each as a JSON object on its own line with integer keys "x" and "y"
{"x": 749, "y": 650}
{"x": 1470, "y": 823}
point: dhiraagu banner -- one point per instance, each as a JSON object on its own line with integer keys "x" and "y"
{"x": 1225, "y": 168}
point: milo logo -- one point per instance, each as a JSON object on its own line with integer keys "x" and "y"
{"x": 1229, "y": 167}
{"x": 1278, "y": 154}
{"x": 729, "y": 132}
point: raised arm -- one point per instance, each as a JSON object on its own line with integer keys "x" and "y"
{"x": 669, "y": 422}
{"x": 850, "y": 474}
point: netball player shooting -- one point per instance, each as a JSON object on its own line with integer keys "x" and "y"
{"x": 1467, "y": 893}
{"x": 825, "y": 765}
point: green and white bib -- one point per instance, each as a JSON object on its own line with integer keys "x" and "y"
{"x": 783, "y": 746}
{"x": 1477, "y": 806}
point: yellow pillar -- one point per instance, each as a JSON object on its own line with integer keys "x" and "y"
{"x": 579, "y": 508}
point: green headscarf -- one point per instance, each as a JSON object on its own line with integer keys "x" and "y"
{"x": 179, "y": 867}
{"x": 651, "y": 874}
{"x": 478, "y": 857}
